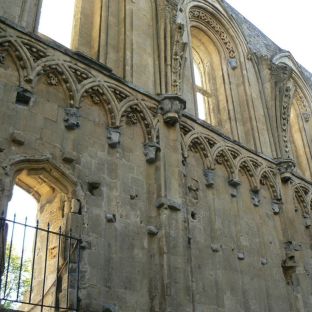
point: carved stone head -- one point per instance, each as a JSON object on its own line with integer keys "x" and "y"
{"x": 171, "y": 107}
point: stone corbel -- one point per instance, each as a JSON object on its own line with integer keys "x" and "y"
{"x": 234, "y": 184}
{"x": 255, "y": 197}
{"x": 71, "y": 118}
{"x": 171, "y": 107}
{"x": 150, "y": 151}
{"x": 276, "y": 207}
{"x": 285, "y": 168}
{"x": 113, "y": 136}
{"x": 209, "y": 177}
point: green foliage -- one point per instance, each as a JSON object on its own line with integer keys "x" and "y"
{"x": 13, "y": 285}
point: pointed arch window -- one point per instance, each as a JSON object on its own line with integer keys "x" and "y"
{"x": 202, "y": 94}
{"x": 208, "y": 79}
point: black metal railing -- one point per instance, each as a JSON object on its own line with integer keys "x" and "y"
{"x": 39, "y": 267}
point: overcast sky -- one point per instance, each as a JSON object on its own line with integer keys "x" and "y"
{"x": 288, "y": 23}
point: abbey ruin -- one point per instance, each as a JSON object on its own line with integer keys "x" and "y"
{"x": 174, "y": 141}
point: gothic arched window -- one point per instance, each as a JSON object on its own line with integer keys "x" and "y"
{"x": 202, "y": 94}
{"x": 208, "y": 78}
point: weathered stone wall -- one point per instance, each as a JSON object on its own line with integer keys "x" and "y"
{"x": 173, "y": 214}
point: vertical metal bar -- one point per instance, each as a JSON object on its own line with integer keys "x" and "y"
{"x": 45, "y": 266}
{"x": 78, "y": 274}
{"x": 33, "y": 262}
{"x": 3, "y": 234}
{"x": 68, "y": 264}
{"x": 57, "y": 266}
{"x": 21, "y": 262}
{"x": 9, "y": 258}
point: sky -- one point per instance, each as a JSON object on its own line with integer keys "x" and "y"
{"x": 22, "y": 205}
{"x": 56, "y": 20}
{"x": 288, "y": 23}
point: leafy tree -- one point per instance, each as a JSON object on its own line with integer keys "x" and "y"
{"x": 17, "y": 279}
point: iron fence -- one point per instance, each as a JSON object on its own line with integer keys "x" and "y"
{"x": 39, "y": 267}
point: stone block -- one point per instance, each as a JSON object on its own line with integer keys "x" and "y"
{"x": 69, "y": 157}
{"x": 18, "y": 138}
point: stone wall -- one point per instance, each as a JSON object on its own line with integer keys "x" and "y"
{"x": 174, "y": 214}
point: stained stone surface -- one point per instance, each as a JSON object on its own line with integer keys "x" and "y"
{"x": 175, "y": 213}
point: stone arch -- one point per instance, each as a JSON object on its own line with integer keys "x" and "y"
{"x": 203, "y": 16}
{"x": 19, "y": 55}
{"x": 221, "y": 155}
{"x": 244, "y": 163}
{"x": 267, "y": 176}
{"x": 302, "y": 195}
{"x": 58, "y": 69}
{"x": 120, "y": 93}
{"x": 59, "y": 214}
{"x": 134, "y": 106}
{"x": 54, "y": 175}
{"x": 195, "y": 140}
{"x": 100, "y": 94}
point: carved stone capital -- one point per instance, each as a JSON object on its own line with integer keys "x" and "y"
{"x": 234, "y": 184}
{"x": 150, "y": 151}
{"x": 255, "y": 197}
{"x": 276, "y": 207}
{"x": 285, "y": 168}
{"x": 71, "y": 118}
{"x": 171, "y": 107}
{"x": 281, "y": 72}
{"x": 113, "y": 136}
{"x": 209, "y": 177}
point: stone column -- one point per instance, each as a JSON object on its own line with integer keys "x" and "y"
{"x": 173, "y": 232}
{"x": 87, "y": 23}
{"x": 22, "y": 12}
{"x": 283, "y": 91}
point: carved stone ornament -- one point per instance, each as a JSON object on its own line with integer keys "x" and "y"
{"x": 234, "y": 184}
{"x": 52, "y": 79}
{"x": 290, "y": 260}
{"x": 255, "y": 198}
{"x": 2, "y": 58}
{"x": 285, "y": 168}
{"x": 113, "y": 136}
{"x": 71, "y": 118}
{"x": 150, "y": 151}
{"x": 171, "y": 107}
{"x": 233, "y": 63}
{"x": 276, "y": 207}
{"x": 281, "y": 72}
{"x": 209, "y": 177}
{"x": 307, "y": 222}
{"x": 306, "y": 116}
{"x": 131, "y": 118}
{"x": 193, "y": 188}
{"x": 201, "y": 16}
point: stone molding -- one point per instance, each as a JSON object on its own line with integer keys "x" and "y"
{"x": 203, "y": 17}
